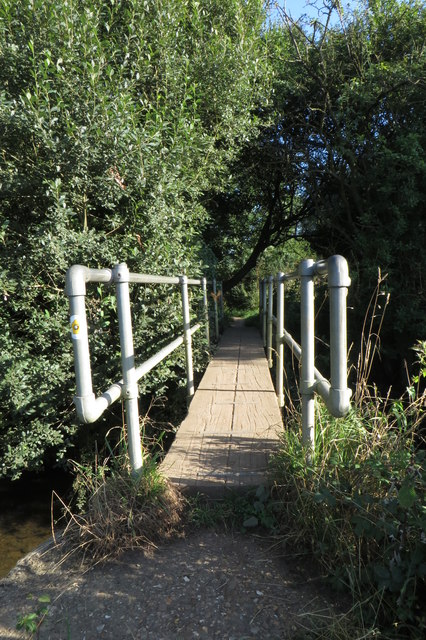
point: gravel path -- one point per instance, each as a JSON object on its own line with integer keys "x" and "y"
{"x": 207, "y": 585}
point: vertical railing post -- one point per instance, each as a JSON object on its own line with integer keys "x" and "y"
{"x": 338, "y": 283}
{"x": 260, "y": 290}
{"x": 221, "y": 301}
{"x": 269, "y": 327}
{"x": 264, "y": 310}
{"x": 76, "y": 291}
{"x": 187, "y": 337}
{"x": 280, "y": 340}
{"x": 308, "y": 352}
{"x": 216, "y": 316}
{"x": 206, "y": 312}
{"x": 130, "y": 385}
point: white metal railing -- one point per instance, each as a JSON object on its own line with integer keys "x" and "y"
{"x": 335, "y": 393}
{"x": 89, "y": 407}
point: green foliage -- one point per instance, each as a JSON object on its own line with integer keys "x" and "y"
{"x": 285, "y": 257}
{"x": 260, "y": 510}
{"x": 115, "y": 118}
{"x": 340, "y": 161}
{"x": 31, "y": 622}
{"x": 420, "y": 350}
{"x": 243, "y": 512}
{"x": 359, "y": 504}
{"x": 350, "y": 113}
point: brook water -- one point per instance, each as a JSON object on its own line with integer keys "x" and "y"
{"x": 25, "y": 516}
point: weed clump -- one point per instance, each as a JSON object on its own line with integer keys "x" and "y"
{"x": 358, "y": 504}
{"x": 358, "y": 501}
{"x": 120, "y": 511}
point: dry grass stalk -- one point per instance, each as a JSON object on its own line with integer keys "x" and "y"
{"x": 122, "y": 513}
{"x": 370, "y": 340}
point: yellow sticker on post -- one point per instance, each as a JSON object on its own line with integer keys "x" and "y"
{"x": 76, "y": 327}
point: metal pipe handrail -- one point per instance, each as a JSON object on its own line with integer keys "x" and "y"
{"x": 91, "y": 411}
{"x": 335, "y": 393}
{"x": 158, "y": 357}
{"x": 145, "y": 278}
{"x": 89, "y": 407}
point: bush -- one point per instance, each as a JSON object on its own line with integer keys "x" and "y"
{"x": 359, "y": 504}
{"x": 115, "y": 118}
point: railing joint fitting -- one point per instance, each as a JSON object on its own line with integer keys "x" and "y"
{"x": 130, "y": 391}
{"x": 120, "y": 273}
{"x": 307, "y": 387}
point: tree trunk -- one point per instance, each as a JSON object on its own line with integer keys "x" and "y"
{"x": 262, "y": 243}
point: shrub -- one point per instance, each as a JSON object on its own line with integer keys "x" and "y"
{"x": 359, "y": 504}
{"x": 114, "y": 510}
{"x": 115, "y": 118}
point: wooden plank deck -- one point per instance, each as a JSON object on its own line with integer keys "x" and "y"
{"x": 233, "y": 422}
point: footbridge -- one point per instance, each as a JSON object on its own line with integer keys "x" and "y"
{"x": 234, "y": 419}
{"x": 233, "y": 423}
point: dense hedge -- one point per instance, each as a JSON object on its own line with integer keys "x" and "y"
{"x": 115, "y": 117}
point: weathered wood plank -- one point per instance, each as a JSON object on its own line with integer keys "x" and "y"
{"x": 233, "y": 423}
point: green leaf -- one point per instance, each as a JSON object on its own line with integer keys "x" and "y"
{"x": 362, "y": 526}
{"x": 407, "y": 496}
{"x": 251, "y": 522}
{"x": 383, "y": 576}
{"x": 44, "y": 598}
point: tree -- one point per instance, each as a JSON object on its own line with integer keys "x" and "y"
{"x": 115, "y": 119}
{"x": 365, "y": 165}
{"x": 267, "y": 202}
{"x": 345, "y": 155}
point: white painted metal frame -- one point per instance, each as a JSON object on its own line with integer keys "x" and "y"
{"x": 335, "y": 393}
{"x": 90, "y": 408}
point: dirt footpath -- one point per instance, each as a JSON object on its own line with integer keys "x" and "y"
{"x": 207, "y": 585}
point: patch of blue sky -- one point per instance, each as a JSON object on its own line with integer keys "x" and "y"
{"x": 309, "y": 10}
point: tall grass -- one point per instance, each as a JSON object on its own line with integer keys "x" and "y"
{"x": 114, "y": 510}
{"x": 359, "y": 502}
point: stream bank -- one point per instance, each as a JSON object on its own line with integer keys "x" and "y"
{"x": 25, "y": 514}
